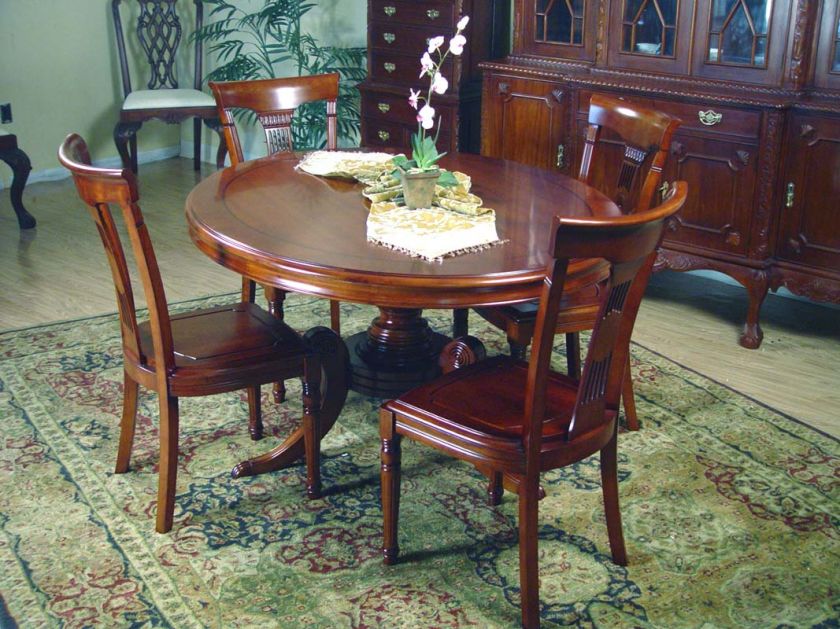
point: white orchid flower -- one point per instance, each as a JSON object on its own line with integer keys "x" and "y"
{"x": 462, "y": 23}
{"x": 456, "y": 44}
{"x": 426, "y": 64}
{"x": 435, "y": 43}
{"x": 439, "y": 83}
{"x": 426, "y": 117}
{"x": 413, "y": 97}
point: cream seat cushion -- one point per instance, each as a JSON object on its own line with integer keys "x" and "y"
{"x": 167, "y": 98}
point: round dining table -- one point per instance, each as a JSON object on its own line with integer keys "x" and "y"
{"x": 271, "y": 222}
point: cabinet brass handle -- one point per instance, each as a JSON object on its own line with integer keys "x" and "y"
{"x": 432, "y": 14}
{"x": 389, "y": 37}
{"x": 390, "y": 11}
{"x": 789, "y": 194}
{"x": 389, "y": 67}
{"x": 384, "y": 107}
{"x": 709, "y": 117}
{"x": 384, "y": 135}
{"x": 561, "y": 156}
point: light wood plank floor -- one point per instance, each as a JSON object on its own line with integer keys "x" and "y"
{"x": 58, "y": 271}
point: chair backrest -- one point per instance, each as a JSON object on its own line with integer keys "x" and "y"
{"x": 274, "y": 101}
{"x": 100, "y": 188}
{"x": 159, "y": 32}
{"x": 628, "y": 243}
{"x": 643, "y": 137}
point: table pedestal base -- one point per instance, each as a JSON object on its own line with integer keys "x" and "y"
{"x": 397, "y": 352}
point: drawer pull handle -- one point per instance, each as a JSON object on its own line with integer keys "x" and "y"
{"x": 389, "y": 37}
{"x": 432, "y": 14}
{"x": 390, "y": 11}
{"x": 709, "y": 118}
{"x": 384, "y": 135}
{"x": 389, "y": 67}
{"x": 384, "y": 107}
{"x": 561, "y": 156}
{"x": 790, "y": 193}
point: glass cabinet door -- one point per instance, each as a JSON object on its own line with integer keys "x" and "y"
{"x": 556, "y": 28}
{"x": 743, "y": 40}
{"x": 827, "y": 65}
{"x": 650, "y": 35}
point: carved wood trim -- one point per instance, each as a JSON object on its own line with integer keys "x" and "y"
{"x": 768, "y": 168}
{"x": 803, "y": 31}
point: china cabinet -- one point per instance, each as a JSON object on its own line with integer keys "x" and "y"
{"x": 398, "y": 31}
{"x": 757, "y": 86}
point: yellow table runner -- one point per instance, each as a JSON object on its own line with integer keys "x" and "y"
{"x": 457, "y": 222}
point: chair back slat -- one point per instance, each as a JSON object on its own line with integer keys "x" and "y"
{"x": 274, "y": 101}
{"x": 643, "y": 138}
{"x": 628, "y": 243}
{"x": 100, "y": 188}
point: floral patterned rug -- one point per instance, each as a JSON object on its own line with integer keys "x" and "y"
{"x": 731, "y": 511}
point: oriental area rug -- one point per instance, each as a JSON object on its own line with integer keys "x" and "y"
{"x": 731, "y": 510}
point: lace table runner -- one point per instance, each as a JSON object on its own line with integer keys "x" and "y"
{"x": 457, "y": 222}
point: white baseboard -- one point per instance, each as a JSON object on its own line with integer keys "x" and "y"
{"x": 54, "y": 174}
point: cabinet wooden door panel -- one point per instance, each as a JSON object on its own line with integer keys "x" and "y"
{"x": 524, "y": 121}
{"x": 721, "y": 180}
{"x": 808, "y": 233}
{"x": 827, "y": 66}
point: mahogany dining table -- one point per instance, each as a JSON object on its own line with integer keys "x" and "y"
{"x": 268, "y": 221}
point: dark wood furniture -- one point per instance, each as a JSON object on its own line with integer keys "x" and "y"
{"x": 636, "y": 139}
{"x": 159, "y": 32}
{"x": 757, "y": 86}
{"x": 268, "y": 221}
{"x": 202, "y": 352}
{"x": 397, "y": 34}
{"x": 19, "y": 162}
{"x": 274, "y": 101}
{"x": 519, "y": 418}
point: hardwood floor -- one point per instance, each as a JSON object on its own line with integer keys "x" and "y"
{"x": 58, "y": 271}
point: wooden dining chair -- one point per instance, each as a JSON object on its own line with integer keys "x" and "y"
{"x": 274, "y": 102}
{"x": 520, "y": 418}
{"x": 635, "y": 147}
{"x": 202, "y": 352}
{"x": 158, "y": 31}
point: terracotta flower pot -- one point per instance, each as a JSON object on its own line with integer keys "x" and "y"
{"x": 419, "y": 187}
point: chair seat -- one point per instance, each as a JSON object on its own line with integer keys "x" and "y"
{"x": 167, "y": 99}
{"x": 229, "y": 342}
{"x": 485, "y": 403}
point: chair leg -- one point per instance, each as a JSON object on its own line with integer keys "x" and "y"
{"x": 529, "y": 576}
{"x": 125, "y": 133}
{"x": 311, "y": 385}
{"x": 609, "y": 482}
{"x": 390, "y": 480}
{"x": 168, "y": 462}
{"x": 127, "y": 424}
{"x": 335, "y": 316}
{"x": 215, "y": 125}
{"x": 573, "y": 355}
{"x": 196, "y": 143}
{"x": 275, "y": 298}
{"x": 255, "y": 423}
{"x": 19, "y": 162}
{"x": 628, "y": 398}
{"x": 495, "y": 489}
{"x": 460, "y": 322}
{"x": 517, "y": 350}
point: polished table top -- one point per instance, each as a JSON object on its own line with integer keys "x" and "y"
{"x": 303, "y": 233}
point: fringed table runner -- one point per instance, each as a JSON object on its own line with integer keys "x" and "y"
{"x": 457, "y": 222}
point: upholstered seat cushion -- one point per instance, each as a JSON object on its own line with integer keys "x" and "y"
{"x": 167, "y": 99}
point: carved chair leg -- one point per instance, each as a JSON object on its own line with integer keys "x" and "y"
{"x": 757, "y": 286}
{"x": 168, "y": 468}
{"x": 196, "y": 143}
{"x": 390, "y": 481}
{"x": 335, "y": 316}
{"x": 312, "y": 431}
{"x": 215, "y": 125}
{"x": 127, "y": 424}
{"x": 529, "y": 578}
{"x": 628, "y": 398}
{"x": 609, "y": 482}
{"x": 255, "y": 423}
{"x": 19, "y": 162}
{"x": 460, "y": 322}
{"x": 125, "y": 133}
{"x": 573, "y": 355}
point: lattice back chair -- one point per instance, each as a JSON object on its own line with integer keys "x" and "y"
{"x": 198, "y": 353}
{"x": 274, "y": 102}
{"x": 639, "y": 142}
{"x": 519, "y": 418}
{"x": 159, "y": 32}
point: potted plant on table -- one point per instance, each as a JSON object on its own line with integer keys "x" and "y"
{"x": 421, "y": 173}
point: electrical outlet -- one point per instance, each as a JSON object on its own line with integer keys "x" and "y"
{"x": 5, "y": 112}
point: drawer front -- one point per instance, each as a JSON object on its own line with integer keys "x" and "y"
{"x": 388, "y": 107}
{"x": 383, "y": 134}
{"x": 584, "y": 97}
{"x": 732, "y": 121}
{"x": 436, "y": 13}
{"x": 391, "y": 67}
{"x": 404, "y": 39}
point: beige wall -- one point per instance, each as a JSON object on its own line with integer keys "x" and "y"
{"x": 59, "y": 70}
